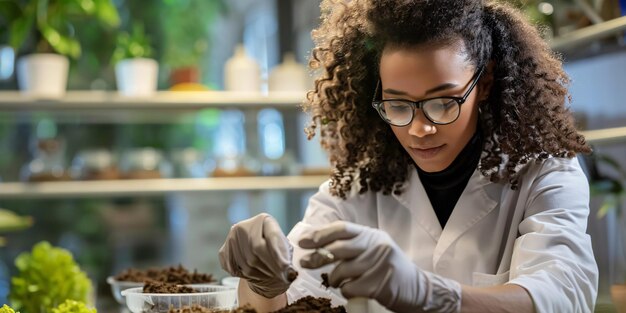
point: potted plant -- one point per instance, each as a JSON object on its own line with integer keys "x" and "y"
{"x": 187, "y": 39}
{"x": 44, "y": 72}
{"x": 611, "y": 190}
{"x": 135, "y": 71}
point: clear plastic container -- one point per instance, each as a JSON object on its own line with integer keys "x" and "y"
{"x": 208, "y": 296}
{"x": 48, "y": 163}
{"x": 144, "y": 163}
{"x": 95, "y": 164}
{"x": 231, "y": 281}
{"x": 118, "y": 286}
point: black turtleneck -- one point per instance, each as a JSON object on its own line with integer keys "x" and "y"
{"x": 444, "y": 188}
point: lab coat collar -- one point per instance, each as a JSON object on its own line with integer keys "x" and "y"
{"x": 474, "y": 204}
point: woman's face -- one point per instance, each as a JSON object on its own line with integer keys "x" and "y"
{"x": 420, "y": 73}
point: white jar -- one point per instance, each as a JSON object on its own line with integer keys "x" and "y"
{"x": 242, "y": 73}
{"x": 288, "y": 76}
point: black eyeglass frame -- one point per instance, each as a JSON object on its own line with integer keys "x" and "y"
{"x": 377, "y": 104}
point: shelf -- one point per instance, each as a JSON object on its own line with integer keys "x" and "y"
{"x": 79, "y": 189}
{"x": 164, "y": 100}
{"x": 605, "y": 136}
{"x": 588, "y": 34}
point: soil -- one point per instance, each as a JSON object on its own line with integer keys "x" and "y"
{"x": 325, "y": 282}
{"x": 292, "y": 275}
{"x": 238, "y": 172}
{"x": 304, "y": 305}
{"x": 48, "y": 177}
{"x": 173, "y": 275}
{"x": 201, "y": 309}
{"x": 111, "y": 173}
{"x": 311, "y": 305}
{"x": 160, "y": 287}
{"x": 142, "y": 174}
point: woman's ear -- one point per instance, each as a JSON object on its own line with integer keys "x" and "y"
{"x": 486, "y": 82}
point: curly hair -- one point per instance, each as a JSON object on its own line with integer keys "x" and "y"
{"x": 524, "y": 118}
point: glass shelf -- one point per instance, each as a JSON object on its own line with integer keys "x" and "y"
{"x": 164, "y": 100}
{"x": 162, "y": 186}
{"x": 605, "y": 136}
{"x": 106, "y": 188}
{"x": 586, "y": 35}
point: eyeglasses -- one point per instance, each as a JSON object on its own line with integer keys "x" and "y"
{"x": 440, "y": 110}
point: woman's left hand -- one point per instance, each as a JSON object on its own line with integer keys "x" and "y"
{"x": 370, "y": 264}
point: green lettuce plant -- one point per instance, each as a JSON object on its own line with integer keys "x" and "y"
{"x": 46, "y": 278}
{"x": 71, "y": 306}
{"x": 6, "y": 309}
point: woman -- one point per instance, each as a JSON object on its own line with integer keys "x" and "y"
{"x": 455, "y": 185}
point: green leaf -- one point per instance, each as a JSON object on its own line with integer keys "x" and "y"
{"x": 6, "y": 309}
{"x": 132, "y": 45}
{"x": 607, "y": 186}
{"x": 611, "y": 162}
{"x": 10, "y": 221}
{"x": 88, "y": 6}
{"x": 608, "y": 205}
{"x": 107, "y": 13}
{"x": 9, "y": 12}
{"x": 19, "y": 31}
{"x": 60, "y": 43}
{"x": 53, "y": 19}
{"x": 71, "y": 306}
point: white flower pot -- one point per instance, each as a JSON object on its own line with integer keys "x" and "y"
{"x": 137, "y": 77}
{"x": 43, "y": 75}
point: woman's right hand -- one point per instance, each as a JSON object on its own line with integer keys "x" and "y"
{"x": 257, "y": 250}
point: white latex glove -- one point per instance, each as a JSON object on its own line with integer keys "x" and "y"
{"x": 370, "y": 264}
{"x": 257, "y": 250}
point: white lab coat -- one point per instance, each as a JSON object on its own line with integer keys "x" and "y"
{"x": 533, "y": 237}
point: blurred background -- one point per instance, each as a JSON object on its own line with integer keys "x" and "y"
{"x": 134, "y": 133}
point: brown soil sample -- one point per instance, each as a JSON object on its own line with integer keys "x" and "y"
{"x": 325, "y": 282}
{"x": 311, "y": 305}
{"x": 49, "y": 177}
{"x": 110, "y": 173}
{"x": 175, "y": 275}
{"x": 142, "y": 174}
{"x": 194, "y": 309}
{"x": 201, "y": 309}
{"x": 160, "y": 287}
{"x": 244, "y": 309}
{"x": 304, "y": 305}
{"x": 238, "y": 172}
{"x": 292, "y": 275}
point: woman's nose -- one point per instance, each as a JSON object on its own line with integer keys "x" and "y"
{"x": 421, "y": 126}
